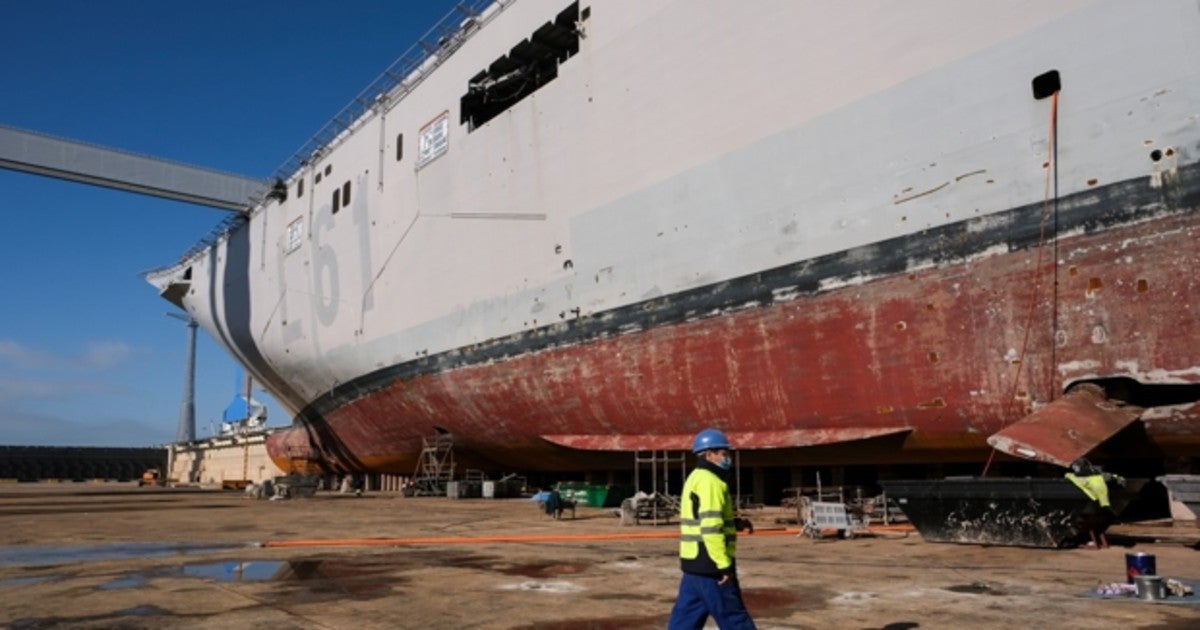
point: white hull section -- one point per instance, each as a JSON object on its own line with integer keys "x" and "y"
{"x": 686, "y": 143}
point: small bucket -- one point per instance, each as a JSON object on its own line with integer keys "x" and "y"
{"x": 1151, "y": 587}
{"x": 1139, "y": 564}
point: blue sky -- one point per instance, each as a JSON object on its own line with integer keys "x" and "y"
{"x": 88, "y": 356}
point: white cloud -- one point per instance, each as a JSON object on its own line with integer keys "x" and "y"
{"x": 12, "y": 389}
{"x": 25, "y": 358}
{"x": 106, "y": 354}
{"x": 96, "y": 355}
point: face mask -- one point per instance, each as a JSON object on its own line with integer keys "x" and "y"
{"x": 725, "y": 463}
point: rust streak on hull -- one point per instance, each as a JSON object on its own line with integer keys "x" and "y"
{"x": 855, "y": 359}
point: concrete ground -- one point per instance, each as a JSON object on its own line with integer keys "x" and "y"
{"x": 113, "y": 555}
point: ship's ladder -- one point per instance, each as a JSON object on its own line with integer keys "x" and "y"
{"x": 435, "y": 467}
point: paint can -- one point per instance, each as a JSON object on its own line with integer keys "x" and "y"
{"x": 1151, "y": 587}
{"x": 1139, "y": 564}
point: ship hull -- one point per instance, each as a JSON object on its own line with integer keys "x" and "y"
{"x": 858, "y": 240}
{"x": 912, "y": 366}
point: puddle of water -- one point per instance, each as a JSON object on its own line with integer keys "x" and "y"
{"x": 134, "y": 580}
{"x": 234, "y": 571}
{"x": 250, "y": 571}
{"x": 25, "y": 581}
{"x": 41, "y": 556}
{"x": 255, "y": 571}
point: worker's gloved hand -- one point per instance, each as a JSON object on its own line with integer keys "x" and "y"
{"x": 743, "y": 525}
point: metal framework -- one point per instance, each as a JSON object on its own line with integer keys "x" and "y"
{"x": 36, "y": 153}
{"x": 435, "y": 468}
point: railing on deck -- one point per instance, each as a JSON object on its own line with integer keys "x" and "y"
{"x": 405, "y": 73}
{"x": 400, "y": 78}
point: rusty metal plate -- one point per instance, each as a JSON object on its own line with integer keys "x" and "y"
{"x": 1067, "y": 428}
{"x": 791, "y": 438}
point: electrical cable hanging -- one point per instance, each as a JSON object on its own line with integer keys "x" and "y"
{"x": 1049, "y": 195}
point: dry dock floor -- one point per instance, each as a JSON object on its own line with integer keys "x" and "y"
{"x": 117, "y": 556}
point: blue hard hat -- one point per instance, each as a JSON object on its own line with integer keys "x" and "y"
{"x": 709, "y": 439}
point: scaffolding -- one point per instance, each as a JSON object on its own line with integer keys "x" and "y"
{"x": 435, "y": 467}
{"x": 658, "y": 505}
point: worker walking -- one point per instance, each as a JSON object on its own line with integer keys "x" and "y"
{"x": 708, "y": 542}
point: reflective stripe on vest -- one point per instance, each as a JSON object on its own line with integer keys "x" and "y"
{"x": 715, "y": 527}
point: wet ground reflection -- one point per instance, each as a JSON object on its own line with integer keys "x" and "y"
{"x": 42, "y": 556}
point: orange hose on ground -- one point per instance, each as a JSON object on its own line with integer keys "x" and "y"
{"x": 452, "y": 540}
{"x": 531, "y": 538}
{"x": 900, "y": 527}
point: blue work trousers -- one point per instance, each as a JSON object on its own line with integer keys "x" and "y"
{"x": 699, "y": 597}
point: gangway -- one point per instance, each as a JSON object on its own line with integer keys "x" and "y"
{"x": 40, "y": 154}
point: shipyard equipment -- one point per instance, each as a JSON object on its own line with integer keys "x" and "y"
{"x": 1185, "y": 489}
{"x": 1029, "y": 512}
{"x": 831, "y": 516}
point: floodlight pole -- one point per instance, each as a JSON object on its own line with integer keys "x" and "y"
{"x": 187, "y": 409}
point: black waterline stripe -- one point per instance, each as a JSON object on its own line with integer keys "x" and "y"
{"x": 1093, "y": 210}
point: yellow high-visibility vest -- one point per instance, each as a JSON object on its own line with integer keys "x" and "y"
{"x": 1092, "y": 485}
{"x": 706, "y": 519}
